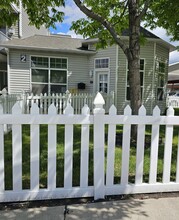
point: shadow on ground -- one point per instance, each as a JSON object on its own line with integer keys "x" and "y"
{"x": 123, "y": 209}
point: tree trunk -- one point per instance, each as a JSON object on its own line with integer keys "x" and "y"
{"x": 134, "y": 61}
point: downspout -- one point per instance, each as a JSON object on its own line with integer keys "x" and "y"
{"x": 8, "y": 71}
{"x": 117, "y": 68}
{"x": 153, "y": 80}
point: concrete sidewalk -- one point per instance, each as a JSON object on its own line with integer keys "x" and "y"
{"x": 135, "y": 209}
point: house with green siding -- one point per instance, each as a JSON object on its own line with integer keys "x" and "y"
{"x": 56, "y": 63}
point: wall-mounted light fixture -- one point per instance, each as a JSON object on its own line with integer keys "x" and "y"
{"x": 91, "y": 73}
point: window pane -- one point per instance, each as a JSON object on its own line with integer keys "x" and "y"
{"x": 58, "y": 63}
{"x": 103, "y": 77}
{"x": 58, "y": 89}
{"x": 141, "y": 79}
{"x": 39, "y": 62}
{"x": 161, "y": 80}
{"x": 102, "y": 63}
{"x": 39, "y": 75}
{"x": 161, "y": 67}
{"x": 103, "y": 87}
{"x": 160, "y": 94}
{"x": 39, "y": 88}
{"x": 141, "y": 64}
{"x": 58, "y": 76}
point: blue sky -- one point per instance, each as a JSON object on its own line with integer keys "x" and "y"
{"x": 72, "y": 13}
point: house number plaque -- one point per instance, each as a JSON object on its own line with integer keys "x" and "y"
{"x": 23, "y": 58}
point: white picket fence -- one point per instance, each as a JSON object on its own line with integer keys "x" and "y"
{"x": 8, "y": 100}
{"x": 103, "y": 183}
{"x": 173, "y": 101}
{"x": 60, "y": 101}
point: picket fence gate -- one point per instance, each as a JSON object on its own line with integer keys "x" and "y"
{"x": 103, "y": 182}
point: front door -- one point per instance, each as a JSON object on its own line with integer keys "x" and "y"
{"x": 103, "y": 82}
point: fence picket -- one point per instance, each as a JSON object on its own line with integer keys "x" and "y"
{"x": 126, "y": 148}
{"x": 68, "y": 165}
{"x": 111, "y": 149}
{"x": 177, "y": 166}
{"x": 168, "y": 148}
{"x": 140, "y": 148}
{"x": 154, "y": 148}
{"x": 52, "y": 143}
{"x": 1, "y": 153}
{"x": 84, "y": 150}
{"x": 34, "y": 151}
{"x": 17, "y": 150}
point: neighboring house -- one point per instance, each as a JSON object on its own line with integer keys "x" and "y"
{"x": 173, "y": 78}
{"x": 20, "y": 29}
{"x": 56, "y": 63}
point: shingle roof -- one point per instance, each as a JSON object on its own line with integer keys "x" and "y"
{"x": 143, "y": 31}
{"x": 51, "y": 42}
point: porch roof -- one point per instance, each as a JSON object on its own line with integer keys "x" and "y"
{"x": 49, "y": 43}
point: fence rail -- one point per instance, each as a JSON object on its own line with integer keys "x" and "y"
{"x": 103, "y": 182}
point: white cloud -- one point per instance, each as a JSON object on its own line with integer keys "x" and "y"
{"x": 71, "y": 12}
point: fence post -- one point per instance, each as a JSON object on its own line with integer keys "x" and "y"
{"x": 99, "y": 190}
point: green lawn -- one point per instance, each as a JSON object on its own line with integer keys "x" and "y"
{"x": 76, "y": 156}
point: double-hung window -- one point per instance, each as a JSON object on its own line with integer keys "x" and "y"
{"x": 142, "y": 71}
{"x": 161, "y": 69}
{"x": 48, "y": 75}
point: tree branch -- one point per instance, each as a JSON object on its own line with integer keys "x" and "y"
{"x": 143, "y": 12}
{"x": 106, "y": 24}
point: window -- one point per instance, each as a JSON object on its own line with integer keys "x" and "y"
{"x": 142, "y": 69}
{"x": 160, "y": 69}
{"x": 103, "y": 82}
{"x": 102, "y": 63}
{"x": 49, "y": 75}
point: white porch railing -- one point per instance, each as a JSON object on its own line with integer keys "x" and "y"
{"x": 173, "y": 101}
{"x": 103, "y": 183}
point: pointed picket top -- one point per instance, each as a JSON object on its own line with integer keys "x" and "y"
{"x": 68, "y": 110}
{"x": 170, "y": 111}
{"x": 156, "y": 111}
{"x": 112, "y": 110}
{"x": 1, "y": 109}
{"x": 142, "y": 111}
{"x": 99, "y": 101}
{"x": 127, "y": 110}
{"x": 16, "y": 109}
{"x": 85, "y": 110}
{"x": 35, "y": 109}
{"x": 52, "y": 109}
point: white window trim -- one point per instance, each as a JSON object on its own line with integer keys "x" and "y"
{"x": 101, "y": 58}
{"x": 47, "y": 68}
{"x": 126, "y": 100}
